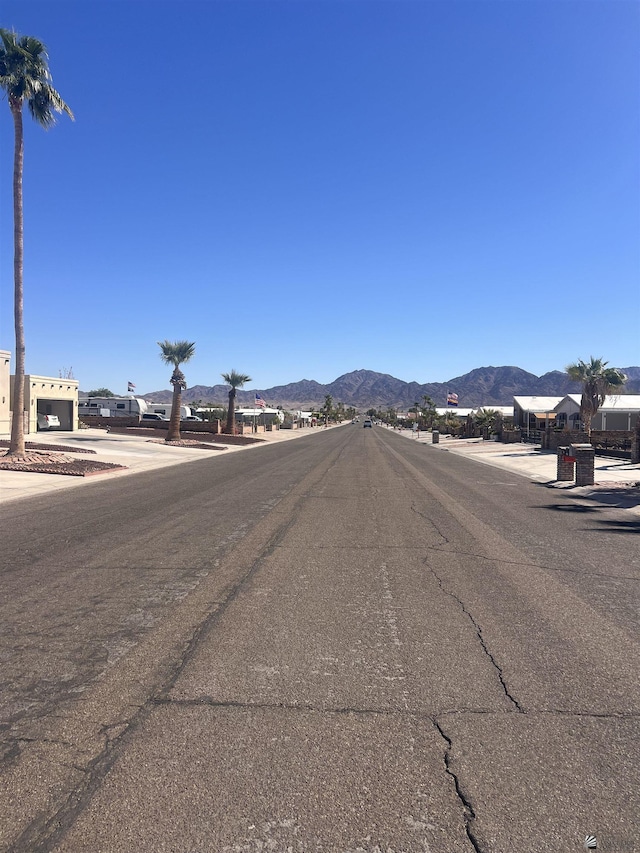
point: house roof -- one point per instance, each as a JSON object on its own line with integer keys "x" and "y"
{"x": 505, "y": 411}
{"x": 621, "y": 403}
{"x": 537, "y": 404}
{"x": 454, "y": 410}
{"x": 612, "y": 403}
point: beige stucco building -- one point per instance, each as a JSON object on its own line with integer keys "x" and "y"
{"x": 5, "y": 392}
{"x": 43, "y": 395}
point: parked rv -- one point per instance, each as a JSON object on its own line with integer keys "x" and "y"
{"x": 112, "y": 407}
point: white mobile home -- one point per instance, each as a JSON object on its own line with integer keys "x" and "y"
{"x": 618, "y": 412}
{"x": 260, "y": 415}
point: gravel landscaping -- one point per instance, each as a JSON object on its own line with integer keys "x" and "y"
{"x": 51, "y": 460}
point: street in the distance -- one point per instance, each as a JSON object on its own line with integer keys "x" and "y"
{"x": 349, "y": 642}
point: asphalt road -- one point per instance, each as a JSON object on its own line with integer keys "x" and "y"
{"x": 344, "y": 643}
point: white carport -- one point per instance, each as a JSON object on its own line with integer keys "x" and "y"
{"x": 534, "y": 412}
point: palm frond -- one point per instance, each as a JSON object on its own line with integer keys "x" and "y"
{"x": 597, "y": 381}
{"x": 176, "y": 352}
{"x": 25, "y": 76}
{"x": 235, "y": 379}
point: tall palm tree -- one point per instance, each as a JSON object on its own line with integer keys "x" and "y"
{"x": 24, "y": 76}
{"x": 597, "y": 380}
{"x": 176, "y": 354}
{"x": 236, "y": 380}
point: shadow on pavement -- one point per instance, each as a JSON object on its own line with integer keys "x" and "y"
{"x": 620, "y": 497}
{"x": 619, "y": 526}
{"x": 569, "y": 508}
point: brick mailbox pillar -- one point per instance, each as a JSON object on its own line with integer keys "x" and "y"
{"x": 435, "y": 437}
{"x": 585, "y": 464}
{"x": 566, "y": 464}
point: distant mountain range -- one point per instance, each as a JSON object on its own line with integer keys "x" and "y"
{"x": 366, "y": 389}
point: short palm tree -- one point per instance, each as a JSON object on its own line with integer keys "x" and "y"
{"x": 428, "y": 410}
{"x": 486, "y": 418}
{"x": 236, "y": 380}
{"x": 597, "y": 380}
{"x": 24, "y": 76}
{"x": 176, "y": 353}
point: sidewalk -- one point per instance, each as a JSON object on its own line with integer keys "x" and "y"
{"x": 136, "y": 453}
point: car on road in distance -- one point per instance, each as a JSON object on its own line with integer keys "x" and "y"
{"x": 48, "y": 421}
{"x": 367, "y": 423}
{"x": 192, "y": 418}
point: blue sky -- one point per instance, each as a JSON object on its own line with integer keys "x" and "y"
{"x": 308, "y": 188}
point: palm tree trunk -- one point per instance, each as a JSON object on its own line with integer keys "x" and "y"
{"x": 174, "y": 423}
{"x": 16, "y": 445}
{"x": 586, "y": 412}
{"x": 231, "y": 414}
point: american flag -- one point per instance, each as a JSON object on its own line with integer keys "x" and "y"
{"x": 131, "y": 386}
{"x": 452, "y": 399}
{"x": 260, "y": 403}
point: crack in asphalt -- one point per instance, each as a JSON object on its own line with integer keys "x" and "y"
{"x": 480, "y": 637}
{"x": 469, "y": 814}
{"x": 529, "y": 565}
{"x": 430, "y": 521}
{"x": 309, "y": 707}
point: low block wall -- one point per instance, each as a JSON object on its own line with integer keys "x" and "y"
{"x": 614, "y": 439}
{"x": 118, "y": 423}
{"x": 552, "y": 439}
{"x": 97, "y": 422}
{"x": 613, "y": 442}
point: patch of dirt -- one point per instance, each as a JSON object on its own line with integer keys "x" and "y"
{"x": 34, "y": 445}
{"x": 40, "y": 462}
{"x": 207, "y": 438}
{"x": 185, "y": 442}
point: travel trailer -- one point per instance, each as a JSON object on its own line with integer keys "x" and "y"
{"x": 112, "y": 407}
{"x": 165, "y": 409}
